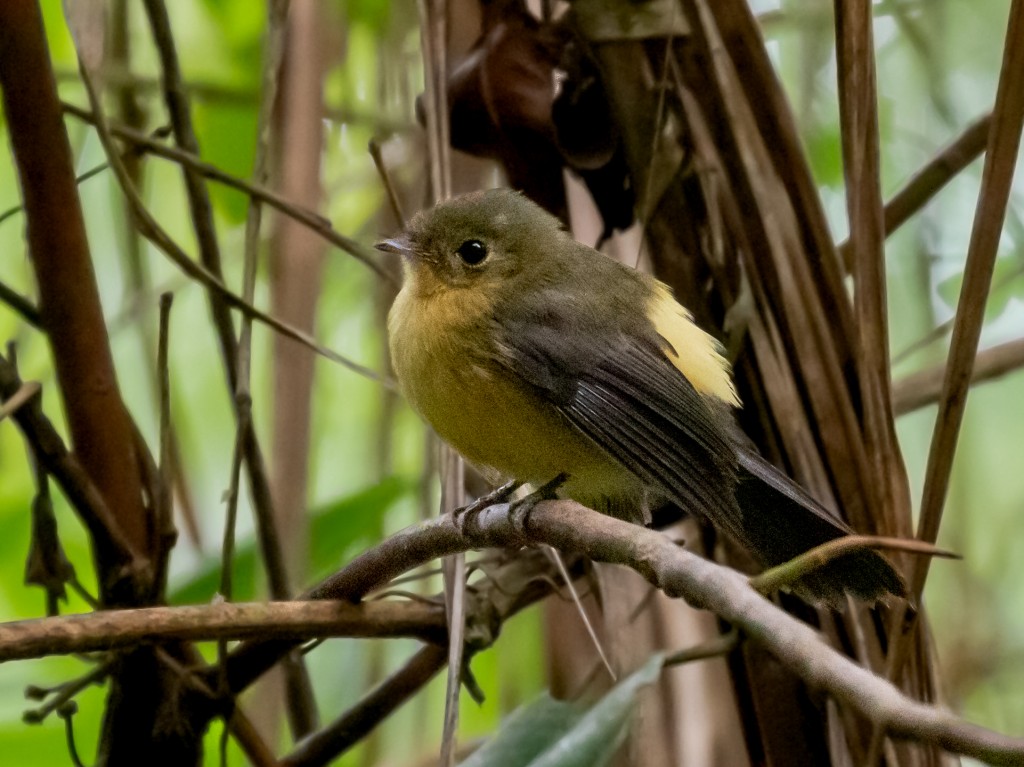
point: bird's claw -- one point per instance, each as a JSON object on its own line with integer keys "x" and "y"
{"x": 519, "y": 511}
{"x": 464, "y": 514}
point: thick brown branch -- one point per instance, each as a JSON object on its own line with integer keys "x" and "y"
{"x": 69, "y": 301}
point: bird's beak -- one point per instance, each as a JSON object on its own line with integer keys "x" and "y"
{"x": 399, "y": 245}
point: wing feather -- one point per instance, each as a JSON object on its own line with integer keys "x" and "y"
{"x": 631, "y": 401}
{"x": 624, "y": 393}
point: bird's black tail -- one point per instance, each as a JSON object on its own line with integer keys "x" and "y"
{"x": 780, "y": 521}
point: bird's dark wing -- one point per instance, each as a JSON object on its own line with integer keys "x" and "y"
{"x": 623, "y": 393}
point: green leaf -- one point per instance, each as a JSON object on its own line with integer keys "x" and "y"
{"x": 551, "y": 733}
{"x": 340, "y": 524}
{"x": 333, "y": 528}
{"x": 594, "y": 739}
{"x": 527, "y": 733}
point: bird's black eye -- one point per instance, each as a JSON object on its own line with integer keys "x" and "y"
{"x": 472, "y": 252}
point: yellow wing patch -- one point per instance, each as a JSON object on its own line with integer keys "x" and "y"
{"x": 694, "y": 353}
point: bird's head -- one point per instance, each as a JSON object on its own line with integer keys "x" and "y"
{"x": 475, "y": 240}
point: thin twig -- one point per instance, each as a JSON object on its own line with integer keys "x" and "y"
{"x": 67, "y": 713}
{"x": 220, "y": 299}
{"x": 152, "y": 231}
{"x": 21, "y": 305}
{"x": 250, "y": 740}
{"x": 925, "y": 386}
{"x": 300, "y": 703}
{"x": 137, "y": 287}
{"x": 433, "y": 36}
{"x": 116, "y": 75}
{"x": 997, "y": 177}
{"x": 929, "y": 180}
{"x": 889, "y": 496}
{"x": 188, "y": 160}
{"x": 272, "y": 57}
{"x": 453, "y": 478}
{"x": 713, "y": 648}
{"x": 227, "y": 549}
{"x": 22, "y": 394}
{"x": 47, "y": 564}
{"x": 385, "y": 177}
{"x": 67, "y": 691}
{"x": 792, "y": 571}
{"x": 556, "y": 558}
{"x": 94, "y": 171}
{"x": 943, "y": 329}
{"x": 74, "y": 481}
{"x": 334, "y": 739}
{"x": 165, "y": 501}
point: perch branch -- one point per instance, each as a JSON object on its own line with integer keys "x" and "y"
{"x": 705, "y": 585}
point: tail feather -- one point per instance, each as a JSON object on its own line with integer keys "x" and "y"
{"x": 780, "y": 521}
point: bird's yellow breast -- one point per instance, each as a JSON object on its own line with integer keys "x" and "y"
{"x": 446, "y": 371}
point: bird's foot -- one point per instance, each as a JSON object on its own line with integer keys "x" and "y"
{"x": 519, "y": 511}
{"x": 464, "y": 514}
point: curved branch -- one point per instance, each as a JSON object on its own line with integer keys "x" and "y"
{"x": 703, "y": 584}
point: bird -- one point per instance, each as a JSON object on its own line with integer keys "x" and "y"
{"x": 537, "y": 357}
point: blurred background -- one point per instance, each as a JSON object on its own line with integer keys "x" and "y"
{"x": 355, "y": 82}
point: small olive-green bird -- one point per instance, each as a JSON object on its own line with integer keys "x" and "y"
{"x": 535, "y": 355}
